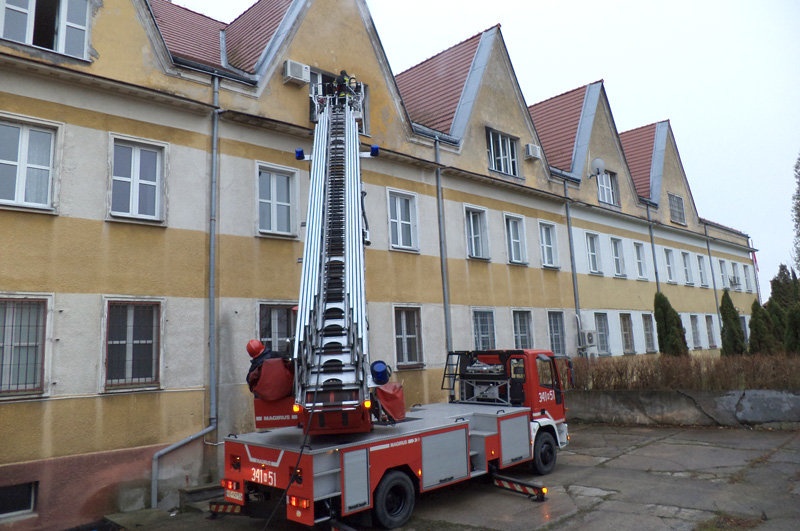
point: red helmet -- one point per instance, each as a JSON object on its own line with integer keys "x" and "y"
{"x": 255, "y": 347}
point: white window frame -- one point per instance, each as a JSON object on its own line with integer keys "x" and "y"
{"x": 641, "y": 260}
{"x": 561, "y": 336}
{"x": 396, "y": 223}
{"x": 593, "y": 258}
{"x": 519, "y": 334}
{"x": 677, "y": 212}
{"x": 552, "y": 247}
{"x": 601, "y": 326}
{"x": 21, "y": 179}
{"x": 712, "y": 336}
{"x": 477, "y": 334}
{"x": 60, "y": 31}
{"x": 162, "y": 168}
{"x": 746, "y": 274}
{"x": 476, "y": 219}
{"x": 275, "y": 306}
{"x": 670, "y": 265}
{"x": 648, "y": 329}
{"x": 618, "y": 255}
{"x": 505, "y": 161}
{"x": 687, "y": 268}
{"x": 508, "y": 219}
{"x": 402, "y": 357}
{"x": 723, "y": 273}
{"x": 44, "y": 351}
{"x": 736, "y": 277}
{"x": 694, "y": 322}
{"x": 607, "y": 189}
{"x": 628, "y": 338}
{"x": 701, "y": 269}
{"x": 272, "y": 170}
{"x": 106, "y": 383}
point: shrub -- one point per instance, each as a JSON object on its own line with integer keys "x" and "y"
{"x": 792, "y": 341}
{"x": 732, "y": 333}
{"x": 762, "y": 335}
{"x": 670, "y": 331}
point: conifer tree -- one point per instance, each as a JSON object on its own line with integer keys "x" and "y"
{"x": 777, "y": 315}
{"x": 670, "y": 331}
{"x": 732, "y": 333}
{"x": 784, "y": 287}
{"x": 796, "y": 214}
{"x": 792, "y": 340}
{"x": 762, "y": 335}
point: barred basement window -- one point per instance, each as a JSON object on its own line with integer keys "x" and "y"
{"x": 523, "y": 338}
{"x": 275, "y": 327}
{"x": 649, "y": 341}
{"x": 695, "y": 332}
{"x": 710, "y": 331}
{"x": 557, "y": 340}
{"x": 132, "y": 344}
{"x": 483, "y": 323}
{"x": 626, "y": 324}
{"x": 601, "y": 325}
{"x": 408, "y": 340}
{"x": 676, "y": 213}
{"x": 22, "y": 338}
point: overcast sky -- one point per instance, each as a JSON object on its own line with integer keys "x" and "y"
{"x": 725, "y": 73}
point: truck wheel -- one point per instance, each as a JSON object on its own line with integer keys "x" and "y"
{"x": 394, "y": 500}
{"x": 544, "y": 453}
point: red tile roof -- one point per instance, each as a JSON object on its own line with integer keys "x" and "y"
{"x": 556, "y": 121}
{"x": 188, "y": 34}
{"x": 432, "y": 89}
{"x": 638, "y": 145}
{"x": 248, "y": 35}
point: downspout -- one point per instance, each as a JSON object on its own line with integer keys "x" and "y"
{"x": 653, "y": 246}
{"x": 755, "y": 269}
{"x": 212, "y": 324}
{"x": 572, "y": 261}
{"x": 713, "y": 276}
{"x": 448, "y": 333}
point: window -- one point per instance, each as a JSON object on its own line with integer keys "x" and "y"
{"x": 132, "y": 343}
{"x": 275, "y": 326}
{"x": 745, "y": 330}
{"x": 607, "y": 191}
{"x": 619, "y": 257}
{"x": 547, "y": 241}
{"x": 502, "y": 152}
{"x": 557, "y": 339}
{"x": 593, "y": 251}
{"x": 483, "y": 321}
{"x": 668, "y": 258}
{"x": 641, "y": 264}
{"x": 736, "y": 281}
{"x": 275, "y": 201}
{"x": 723, "y": 272}
{"x": 523, "y": 338}
{"x": 687, "y": 269}
{"x": 22, "y": 327}
{"x": 746, "y": 273}
{"x": 137, "y": 180}
{"x": 407, "y": 335}
{"x": 626, "y": 324}
{"x": 676, "y": 214}
{"x": 58, "y": 25}
{"x": 695, "y": 332}
{"x": 601, "y": 324}
{"x": 710, "y": 330}
{"x": 403, "y": 220}
{"x": 515, "y": 239}
{"x": 26, "y": 164}
{"x": 701, "y": 270}
{"x": 647, "y": 325}
{"x": 18, "y": 500}
{"x": 477, "y": 242}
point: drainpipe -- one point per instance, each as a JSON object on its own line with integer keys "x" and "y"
{"x": 652, "y": 246}
{"x": 713, "y": 276}
{"x": 572, "y": 261}
{"x": 448, "y": 333}
{"x": 212, "y": 324}
{"x": 755, "y": 269}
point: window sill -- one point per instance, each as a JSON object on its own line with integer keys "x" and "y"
{"x": 409, "y": 366}
{"x": 480, "y": 258}
{"x": 507, "y": 175}
{"x": 672, "y": 282}
{"x": 642, "y": 279}
{"x": 279, "y": 235}
{"x": 515, "y": 263}
{"x": 412, "y": 250}
{"x": 133, "y": 220}
{"x": 690, "y": 284}
{"x": 650, "y": 351}
{"x": 596, "y": 273}
{"x": 29, "y": 208}
{"x": 551, "y": 267}
{"x": 613, "y": 206}
{"x": 56, "y": 56}
{"x": 623, "y": 276}
{"x": 704, "y": 286}
{"x": 131, "y": 389}
{"x": 681, "y": 223}
{"x": 629, "y": 353}
{"x": 21, "y": 395}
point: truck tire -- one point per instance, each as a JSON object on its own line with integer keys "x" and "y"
{"x": 394, "y": 500}
{"x": 545, "y": 452}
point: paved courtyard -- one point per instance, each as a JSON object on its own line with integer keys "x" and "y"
{"x": 621, "y": 478}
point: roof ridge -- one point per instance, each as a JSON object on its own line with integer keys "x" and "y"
{"x": 566, "y": 92}
{"x": 643, "y": 126}
{"x": 195, "y": 12}
{"x": 448, "y": 49}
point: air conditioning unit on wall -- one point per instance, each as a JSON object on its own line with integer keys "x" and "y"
{"x": 588, "y": 338}
{"x": 532, "y": 151}
{"x": 296, "y": 73}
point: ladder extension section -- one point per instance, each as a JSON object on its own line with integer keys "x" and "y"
{"x": 331, "y": 335}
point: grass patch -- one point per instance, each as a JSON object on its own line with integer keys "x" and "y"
{"x": 728, "y": 521}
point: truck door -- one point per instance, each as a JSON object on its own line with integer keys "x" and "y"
{"x": 549, "y": 395}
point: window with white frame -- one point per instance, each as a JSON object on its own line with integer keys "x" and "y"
{"x": 137, "y": 181}
{"x": 701, "y": 270}
{"x": 626, "y": 326}
{"x": 607, "y": 190}
{"x": 670, "y": 269}
{"x": 403, "y": 220}
{"x": 26, "y": 164}
{"x": 515, "y": 239}
{"x": 275, "y": 201}
{"x": 723, "y": 273}
{"x": 619, "y": 257}
{"x": 601, "y": 325}
{"x": 649, "y": 339}
{"x": 687, "y": 268}
{"x": 523, "y": 333}
{"x": 502, "y": 151}
{"x": 408, "y": 336}
{"x": 547, "y": 242}
{"x": 22, "y": 336}
{"x": 477, "y": 240}
{"x": 745, "y": 328}
{"x": 58, "y": 25}
{"x": 695, "y": 332}
{"x": 676, "y": 213}
{"x": 555, "y": 320}
{"x": 483, "y": 327}
{"x": 736, "y": 280}
{"x": 275, "y": 326}
{"x": 641, "y": 262}
{"x": 132, "y": 343}
{"x": 17, "y": 500}
{"x": 710, "y": 331}
{"x": 746, "y": 274}
{"x": 593, "y": 253}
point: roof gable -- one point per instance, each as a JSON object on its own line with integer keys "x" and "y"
{"x": 638, "y": 145}
{"x": 248, "y": 35}
{"x": 556, "y": 120}
{"x": 188, "y": 34}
